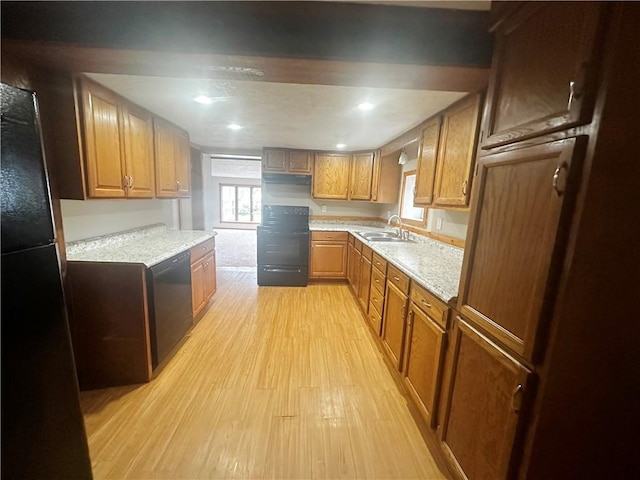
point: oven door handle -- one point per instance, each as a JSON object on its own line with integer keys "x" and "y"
{"x": 281, "y": 270}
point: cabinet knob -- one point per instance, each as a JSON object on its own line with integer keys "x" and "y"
{"x": 177, "y": 185}
{"x": 556, "y": 178}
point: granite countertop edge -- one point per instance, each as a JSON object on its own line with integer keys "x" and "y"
{"x": 443, "y": 260}
{"x": 147, "y": 246}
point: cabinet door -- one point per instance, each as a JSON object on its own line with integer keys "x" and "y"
{"x": 427, "y": 154}
{"x": 104, "y": 152}
{"x": 299, "y": 162}
{"x": 423, "y": 362}
{"x": 456, "y": 153}
{"x": 138, "y": 143}
{"x": 328, "y": 260}
{"x": 393, "y": 323}
{"x": 209, "y": 275}
{"x": 515, "y": 242}
{"x": 165, "y": 163}
{"x": 274, "y": 160}
{"x": 365, "y": 283}
{"x": 197, "y": 286}
{"x": 182, "y": 158}
{"x": 482, "y": 406}
{"x": 351, "y": 258}
{"x": 544, "y": 70}
{"x": 331, "y": 176}
{"x": 361, "y": 176}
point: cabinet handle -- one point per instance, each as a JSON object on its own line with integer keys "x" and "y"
{"x": 517, "y": 394}
{"x": 428, "y": 305}
{"x": 464, "y": 187}
{"x": 572, "y": 94}
{"x": 377, "y": 281}
{"x": 130, "y": 181}
{"x": 396, "y": 278}
{"x": 410, "y": 319}
{"x": 556, "y": 178}
{"x": 375, "y": 300}
{"x": 125, "y": 182}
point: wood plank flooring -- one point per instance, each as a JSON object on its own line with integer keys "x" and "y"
{"x": 274, "y": 382}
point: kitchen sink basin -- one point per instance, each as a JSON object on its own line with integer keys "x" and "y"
{"x": 382, "y": 237}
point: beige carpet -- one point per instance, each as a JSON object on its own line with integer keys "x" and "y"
{"x": 235, "y": 248}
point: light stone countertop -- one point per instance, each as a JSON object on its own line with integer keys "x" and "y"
{"x": 148, "y": 245}
{"x": 434, "y": 265}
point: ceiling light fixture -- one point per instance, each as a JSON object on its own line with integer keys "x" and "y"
{"x": 366, "y": 106}
{"x": 340, "y": 146}
{"x": 203, "y": 99}
{"x": 235, "y": 126}
{"x": 403, "y": 157}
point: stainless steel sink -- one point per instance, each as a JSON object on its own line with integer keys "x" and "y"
{"x": 382, "y": 237}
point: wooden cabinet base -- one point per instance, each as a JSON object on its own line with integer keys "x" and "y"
{"x": 109, "y": 322}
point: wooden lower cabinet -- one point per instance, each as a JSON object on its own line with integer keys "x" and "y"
{"x": 393, "y": 323}
{"x": 328, "y": 255}
{"x": 365, "y": 282}
{"x": 424, "y": 351}
{"x": 482, "y": 403}
{"x": 203, "y": 276}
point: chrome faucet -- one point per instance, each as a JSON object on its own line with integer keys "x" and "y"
{"x": 399, "y": 232}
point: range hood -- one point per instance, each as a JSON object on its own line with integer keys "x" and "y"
{"x": 286, "y": 178}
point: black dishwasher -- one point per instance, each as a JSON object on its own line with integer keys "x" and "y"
{"x": 169, "y": 304}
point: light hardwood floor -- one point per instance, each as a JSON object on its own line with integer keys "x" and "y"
{"x": 274, "y": 382}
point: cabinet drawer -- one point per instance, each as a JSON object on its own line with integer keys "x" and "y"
{"x": 352, "y": 239}
{"x": 377, "y": 280}
{"x": 398, "y": 278}
{"x": 330, "y": 236}
{"x": 375, "y": 318}
{"x": 358, "y": 245}
{"x": 367, "y": 252}
{"x": 429, "y": 304}
{"x": 379, "y": 262}
{"x": 202, "y": 249}
{"x": 376, "y": 300}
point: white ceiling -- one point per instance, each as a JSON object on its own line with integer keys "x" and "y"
{"x": 280, "y": 114}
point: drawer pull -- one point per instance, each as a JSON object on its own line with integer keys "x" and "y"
{"x": 377, "y": 281}
{"x": 516, "y": 397}
{"x": 428, "y": 305}
{"x": 375, "y": 300}
{"x": 204, "y": 248}
{"x": 396, "y": 278}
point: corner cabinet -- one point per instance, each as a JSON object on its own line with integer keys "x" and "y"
{"x": 482, "y": 400}
{"x": 172, "y": 161}
{"x": 117, "y": 142}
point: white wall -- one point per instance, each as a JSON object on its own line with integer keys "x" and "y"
{"x": 91, "y": 218}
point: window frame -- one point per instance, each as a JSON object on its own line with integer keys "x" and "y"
{"x": 235, "y": 187}
{"x": 405, "y": 220}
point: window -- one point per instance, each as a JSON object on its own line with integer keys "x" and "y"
{"x": 408, "y": 213}
{"x": 240, "y": 203}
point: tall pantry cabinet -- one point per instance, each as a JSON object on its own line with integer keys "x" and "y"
{"x": 550, "y": 266}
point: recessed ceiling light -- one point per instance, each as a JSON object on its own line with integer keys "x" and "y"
{"x": 203, "y": 99}
{"x": 366, "y": 106}
{"x": 340, "y": 146}
{"x": 235, "y": 126}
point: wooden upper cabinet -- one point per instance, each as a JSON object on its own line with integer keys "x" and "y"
{"x": 173, "y": 160}
{"x": 544, "y": 70}
{"x": 102, "y": 135}
{"x": 139, "y": 153}
{"x": 523, "y": 202}
{"x": 361, "y": 176}
{"x": 331, "y": 176}
{"x": 182, "y": 163}
{"x": 275, "y": 160}
{"x": 482, "y": 406}
{"x": 165, "y": 163}
{"x": 456, "y": 153}
{"x": 299, "y": 162}
{"x": 427, "y": 155}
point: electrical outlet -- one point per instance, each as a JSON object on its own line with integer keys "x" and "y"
{"x": 439, "y": 223}
{"x": 324, "y": 209}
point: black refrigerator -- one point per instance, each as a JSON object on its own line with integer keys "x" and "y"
{"x": 43, "y": 434}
